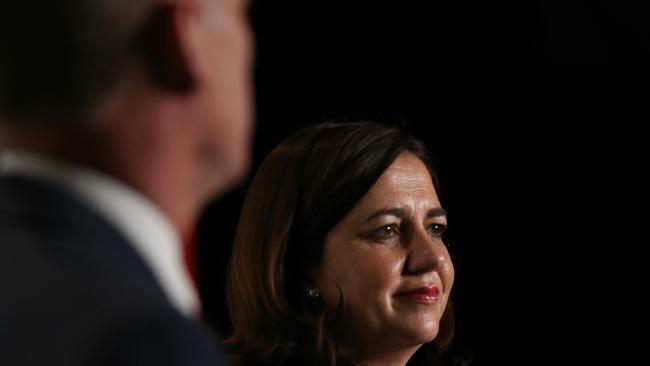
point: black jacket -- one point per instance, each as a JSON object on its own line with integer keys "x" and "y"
{"x": 74, "y": 292}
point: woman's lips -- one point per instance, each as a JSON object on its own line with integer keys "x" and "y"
{"x": 427, "y": 295}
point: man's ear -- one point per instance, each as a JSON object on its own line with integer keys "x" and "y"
{"x": 163, "y": 45}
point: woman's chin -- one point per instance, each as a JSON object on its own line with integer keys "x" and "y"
{"x": 420, "y": 335}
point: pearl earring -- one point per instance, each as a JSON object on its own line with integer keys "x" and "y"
{"x": 313, "y": 293}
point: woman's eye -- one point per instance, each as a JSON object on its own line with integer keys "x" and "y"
{"x": 386, "y": 231}
{"x": 436, "y": 230}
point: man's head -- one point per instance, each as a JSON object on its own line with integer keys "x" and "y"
{"x": 154, "y": 92}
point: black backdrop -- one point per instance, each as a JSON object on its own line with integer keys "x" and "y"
{"x": 530, "y": 108}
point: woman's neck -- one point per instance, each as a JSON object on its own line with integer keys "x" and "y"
{"x": 379, "y": 357}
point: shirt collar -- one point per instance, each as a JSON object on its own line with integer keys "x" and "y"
{"x": 145, "y": 226}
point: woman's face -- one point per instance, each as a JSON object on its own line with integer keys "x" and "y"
{"x": 388, "y": 259}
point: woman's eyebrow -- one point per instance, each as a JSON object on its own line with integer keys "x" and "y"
{"x": 399, "y": 213}
{"x": 391, "y": 211}
{"x": 436, "y": 212}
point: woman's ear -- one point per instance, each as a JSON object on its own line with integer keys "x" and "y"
{"x": 312, "y": 276}
{"x": 311, "y": 288}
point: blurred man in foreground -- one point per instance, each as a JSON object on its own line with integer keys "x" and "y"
{"x": 119, "y": 120}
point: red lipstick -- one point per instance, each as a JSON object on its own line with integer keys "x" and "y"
{"x": 426, "y": 295}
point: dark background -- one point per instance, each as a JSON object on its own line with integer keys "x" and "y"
{"x": 533, "y": 110}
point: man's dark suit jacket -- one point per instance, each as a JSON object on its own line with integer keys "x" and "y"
{"x": 74, "y": 292}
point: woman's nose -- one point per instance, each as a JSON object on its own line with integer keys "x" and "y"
{"x": 425, "y": 254}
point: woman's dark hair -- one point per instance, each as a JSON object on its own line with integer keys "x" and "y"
{"x": 303, "y": 188}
